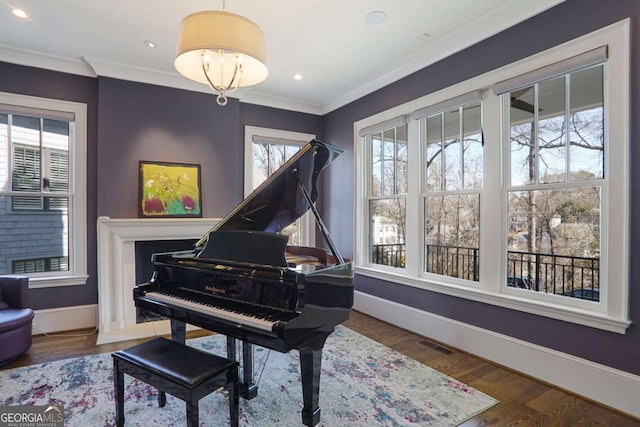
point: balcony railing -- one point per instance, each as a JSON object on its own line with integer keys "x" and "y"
{"x": 388, "y": 254}
{"x": 576, "y": 277}
{"x": 453, "y": 261}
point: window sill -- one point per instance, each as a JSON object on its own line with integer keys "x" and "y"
{"x": 54, "y": 282}
{"x": 568, "y": 314}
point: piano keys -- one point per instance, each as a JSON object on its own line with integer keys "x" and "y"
{"x": 243, "y": 280}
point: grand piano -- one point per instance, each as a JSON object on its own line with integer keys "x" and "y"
{"x": 243, "y": 280}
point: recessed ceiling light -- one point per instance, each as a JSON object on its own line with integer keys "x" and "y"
{"x": 149, "y": 43}
{"x": 376, "y": 17}
{"x": 20, "y": 13}
{"x": 298, "y": 76}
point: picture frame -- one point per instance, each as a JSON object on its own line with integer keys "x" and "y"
{"x": 169, "y": 190}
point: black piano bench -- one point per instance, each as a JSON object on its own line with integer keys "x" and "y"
{"x": 184, "y": 372}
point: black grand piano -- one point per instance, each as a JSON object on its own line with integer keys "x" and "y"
{"x": 243, "y": 281}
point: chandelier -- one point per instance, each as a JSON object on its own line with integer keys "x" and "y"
{"x": 221, "y": 49}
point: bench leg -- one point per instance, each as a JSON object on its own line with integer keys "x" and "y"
{"x": 118, "y": 379}
{"x": 192, "y": 413}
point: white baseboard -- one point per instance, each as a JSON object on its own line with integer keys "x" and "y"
{"x": 86, "y": 316}
{"x": 65, "y": 318}
{"x": 609, "y": 386}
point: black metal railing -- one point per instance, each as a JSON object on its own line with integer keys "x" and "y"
{"x": 453, "y": 261}
{"x": 577, "y": 277}
{"x": 391, "y": 254}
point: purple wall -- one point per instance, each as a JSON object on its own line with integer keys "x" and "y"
{"x": 566, "y": 21}
{"x": 145, "y": 122}
{"x": 67, "y": 87}
{"x": 129, "y": 122}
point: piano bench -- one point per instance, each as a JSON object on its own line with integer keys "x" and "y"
{"x": 184, "y": 372}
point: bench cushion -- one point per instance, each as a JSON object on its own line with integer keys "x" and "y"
{"x": 175, "y": 361}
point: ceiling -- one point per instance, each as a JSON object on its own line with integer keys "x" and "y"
{"x": 340, "y": 56}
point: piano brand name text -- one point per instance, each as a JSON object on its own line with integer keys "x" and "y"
{"x": 215, "y": 290}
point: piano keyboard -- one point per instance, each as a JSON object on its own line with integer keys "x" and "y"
{"x": 262, "y": 318}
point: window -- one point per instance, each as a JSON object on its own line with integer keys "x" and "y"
{"x": 40, "y": 150}
{"x": 386, "y": 148}
{"x": 451, "y": 143}
{"x": 42, "y": 190}
{"x": 555, "y": 183}
{"x": 266, "y": 150}
{"x": 516, "y": 190}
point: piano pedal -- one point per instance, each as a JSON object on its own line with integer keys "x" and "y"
{"x": 223, "y": 391}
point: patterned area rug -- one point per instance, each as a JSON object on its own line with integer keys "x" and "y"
{"x": 363, "y": 383}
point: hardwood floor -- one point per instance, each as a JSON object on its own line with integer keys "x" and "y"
{"x": 523, "y": 400}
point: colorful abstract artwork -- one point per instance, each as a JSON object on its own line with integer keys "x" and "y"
{"x": 169, "y": 190}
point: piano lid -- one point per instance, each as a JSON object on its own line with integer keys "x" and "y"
{"x": 279, "y": 201}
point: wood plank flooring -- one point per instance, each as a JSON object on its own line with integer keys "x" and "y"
{"x": 523, "y": 400}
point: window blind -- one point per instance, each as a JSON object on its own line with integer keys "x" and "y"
{"x": 583, "y": 60}
{"x": 382, "y": 126}
{"x": 37, "y": 112}
{"x": 446, "y": 105}
{"x": 257, "y": 139}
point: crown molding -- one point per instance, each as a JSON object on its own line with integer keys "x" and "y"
{"x": 511, "y": 13}
{"x": 143, "y": 75}
{"x": 253, "y": 96}
{"x": 45, "y": 61}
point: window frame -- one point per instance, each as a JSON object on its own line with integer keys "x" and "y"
{"x": 367, "y": 137}
{"x": 307, "y": 222}
{"x": 77, "y": 273}
{"x": 612, "y": 312}
{"x": 460, "y": 103}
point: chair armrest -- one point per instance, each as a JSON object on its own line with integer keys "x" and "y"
{"x": 15, "y": 291}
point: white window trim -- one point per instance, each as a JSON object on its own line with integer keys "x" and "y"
{"x": 77, "y": 274}
{"x": 307, "y": 223}
{"x": 612, "y": 313}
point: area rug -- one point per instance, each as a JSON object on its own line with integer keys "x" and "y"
{"x": 363, "y": 383}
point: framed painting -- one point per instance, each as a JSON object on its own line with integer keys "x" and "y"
{"x": 169, "y": 190}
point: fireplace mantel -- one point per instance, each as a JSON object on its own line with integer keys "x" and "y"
{"x": 116, "y": 240}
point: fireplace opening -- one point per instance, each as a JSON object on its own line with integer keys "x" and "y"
{"x": 144, "y": 266}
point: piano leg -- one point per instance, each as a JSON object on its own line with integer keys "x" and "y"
{"x": 310, "y": 372}
{"x": 248, "y": 389}
{"x": 178, "y": 331}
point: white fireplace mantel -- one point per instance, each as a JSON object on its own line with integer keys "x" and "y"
{"x": 116, "y": 240}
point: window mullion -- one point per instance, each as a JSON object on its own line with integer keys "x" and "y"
{"x": 461, "y": 133}
{"x": 395, "y": 161}
{"x": 536, "y": 134}
{"x": 443, "y": 152}
{"x": 9, "y": 151}
{"x": 567, "y": 127}
{"x": 414, "y": 238}
{"x": 43, "y": 160}
{"x": 492, "y": 207}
